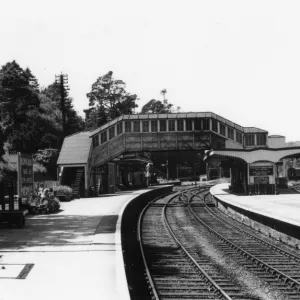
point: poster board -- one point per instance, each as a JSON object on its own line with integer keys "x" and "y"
{"x": 25, "y": 176}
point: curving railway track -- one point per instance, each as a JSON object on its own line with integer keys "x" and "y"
{"x": 191, "y": 251}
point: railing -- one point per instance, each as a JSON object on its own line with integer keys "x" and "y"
{"x": 146, "y": 141}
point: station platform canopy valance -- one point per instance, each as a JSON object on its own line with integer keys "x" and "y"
{"x": 259, "y": 154}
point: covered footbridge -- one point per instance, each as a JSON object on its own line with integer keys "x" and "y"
{"x": 123, "y": 144}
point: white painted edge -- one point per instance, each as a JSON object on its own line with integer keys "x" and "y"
{"x": 122, "y": 286}
{"x": 219, "y": 196}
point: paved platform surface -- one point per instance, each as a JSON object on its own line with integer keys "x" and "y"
{"x": 76, "y": 253}
{"x": 285, "y": 206}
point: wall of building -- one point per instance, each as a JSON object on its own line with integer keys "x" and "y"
{"x": 276, "y": 141}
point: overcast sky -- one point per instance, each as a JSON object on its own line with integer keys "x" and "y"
{"x": 239, "y": 59}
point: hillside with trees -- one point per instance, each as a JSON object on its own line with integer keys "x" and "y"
{"x": 30, "y": 116}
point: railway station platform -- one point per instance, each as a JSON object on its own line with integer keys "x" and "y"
{"x": 277, "y": 216}
{"x": 74, "y": 254}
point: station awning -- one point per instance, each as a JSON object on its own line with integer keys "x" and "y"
{"x": 259, "y": 154}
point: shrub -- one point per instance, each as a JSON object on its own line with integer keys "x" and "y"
{"x": 63, "y": 190}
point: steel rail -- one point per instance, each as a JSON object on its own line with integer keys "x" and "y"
{"x": 139, "y": 235}
{"x": 213, "y": 284}
{"x": 286, "y": 279}
{"x": 266, "y": 243}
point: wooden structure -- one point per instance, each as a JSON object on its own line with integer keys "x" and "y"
{"x": 144, "y": 133}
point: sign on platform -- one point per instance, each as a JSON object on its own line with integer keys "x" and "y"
{"x": 25, "y": 176}
{"x": 261, "y": 180}
{"x": 260, "y": 170}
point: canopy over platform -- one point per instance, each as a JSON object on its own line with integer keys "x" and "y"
{"x": 273, "y": 155}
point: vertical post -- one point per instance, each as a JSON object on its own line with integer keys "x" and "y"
{"x": 167, "y": 170}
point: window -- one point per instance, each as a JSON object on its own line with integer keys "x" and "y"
{"x": 127, "y": 126}
{"x": 153, "y": 126}
{"x": 205, "y": 124}
{"x": 261, "y": 139}
{"x": 197, "y": 123}
{"x": 179, "y": 125}
{"x": 214, "y": 125}
{"x": 96, "y": 141}
{"x": 239, "y": 137}
{"x": 222, "y": 129}
{"x": 189, "y": 125}
{"x": 103, "y": 137}
{"x": 145, "y": 126}
{"x": 249, "y": 140}
{"x": 136, "y": 126}
{"x": 171, "y": 125}
{"x": 162, "y": 125}
{"x": 111, "y": 132}
{"x": 230, "y": 133}
{"x": 119, "y": 128}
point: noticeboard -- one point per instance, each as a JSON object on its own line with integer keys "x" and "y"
{"x": 261, "y": 170}
{"x": 25, "y": 176}
{"x": 261, "y": 180}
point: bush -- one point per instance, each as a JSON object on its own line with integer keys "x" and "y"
{"x": 63, "y": 190}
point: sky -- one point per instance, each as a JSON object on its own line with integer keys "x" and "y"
{"x": 239, "y": 59}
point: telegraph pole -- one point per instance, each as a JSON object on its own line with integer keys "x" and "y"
{"x": 62, "y": 81}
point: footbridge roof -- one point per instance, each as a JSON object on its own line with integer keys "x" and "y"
{"x": 75, "y": 149}
{"x": 180, "y": 115}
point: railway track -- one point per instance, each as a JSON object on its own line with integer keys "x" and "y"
{"x": 177, "y": 266}
{"x": 273, "y": 264}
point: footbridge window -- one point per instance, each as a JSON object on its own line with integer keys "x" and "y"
{"x": 153, "y": 126}
{"x": 239, "y": 137}
{"x": 162, "y": 125}
{"x": 261, "y": 139}
{"x": 145, "y": 126}
{"x": 136, "y": 126}
{"x": 119, "y": 128}
{"x": 180, "y": 125}
{"x": 214, "y": 125}
{"x": 249, "y": 140}
{"x": 230, "y": 133}
{"x": 222, "y": 129}
{"x": 96, "y": 141}
{"x": 171, "y": 125}
{"x": 205, "y": 124}
{"x": 103, "y": 137}
{"x": 189, "y": 125}
{"x": 112, "y": 132}
{"x": 197, "y": 123}
{"x": 127, "y": 126}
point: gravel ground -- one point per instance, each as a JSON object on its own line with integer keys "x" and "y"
{"x": 250, "y": 283}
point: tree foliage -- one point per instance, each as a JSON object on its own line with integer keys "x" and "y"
{"x": 108, "y": 99}
{"x": 18, "y": 98}
{"x": 157, "y": 107}
{"x": 31, "y": 118}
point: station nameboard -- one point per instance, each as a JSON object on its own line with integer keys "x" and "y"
{"x": 261, "y": 180}
{"x": 25, "y": 175}
{"x": 261, "y": 170}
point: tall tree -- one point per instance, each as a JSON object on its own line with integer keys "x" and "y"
{"x": 157, "y": 107}
{"x": 18, "y": 96}
{"x": 74, "y": 123}
{"x": 1, "y": 142}
{"x": 108, "y": 99}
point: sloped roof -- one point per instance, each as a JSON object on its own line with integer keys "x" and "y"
{"x": 254, "y": 130}
{"x": 179, "y": 115}
{"x": 75, "y": 149}
{"x": 167, "y": 116}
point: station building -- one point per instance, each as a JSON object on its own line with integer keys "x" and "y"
{"x": 117, "y": 152}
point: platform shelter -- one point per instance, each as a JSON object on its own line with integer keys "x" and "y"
{"x": 256, "y": 170}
